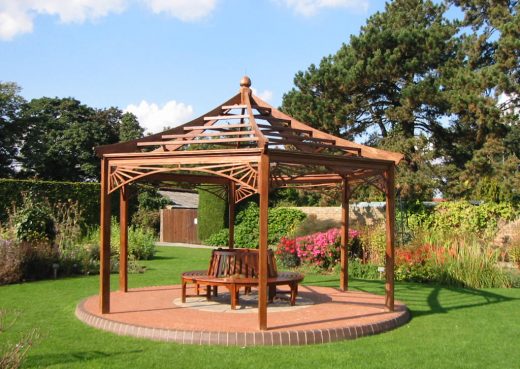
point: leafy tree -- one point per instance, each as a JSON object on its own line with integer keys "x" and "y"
{"x": 10, "y": 103}
{"x": 480, "y": 150}
{"x": 129, "y": 128}
{"x": 443, "y": 92}
{"x": 384, "y": 84}
{"x": 60, "y": 134}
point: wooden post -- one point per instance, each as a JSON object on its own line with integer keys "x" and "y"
{"x": 123, "y": 246}
{"x": 390, "y": 237}
{"x": 263, "y": 190}
{"x": 104, "y": 249}
{"x": 231, "y": 213}
{"x": 344, "y": 235}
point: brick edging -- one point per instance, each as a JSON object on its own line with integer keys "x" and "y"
{"x": 262, "y": 338}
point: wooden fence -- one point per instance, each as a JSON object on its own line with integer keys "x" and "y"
{"x": 179, "y": 225}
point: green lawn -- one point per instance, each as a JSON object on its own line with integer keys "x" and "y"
{"x": 450, "y": 328}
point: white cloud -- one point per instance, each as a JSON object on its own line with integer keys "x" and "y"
{"x": 185, "y": 10}
{"x": 17, "y": 16}
{"x": 154, "y": 118}
{"x": 265, "y": 95}
{"x": 14, "y": 22}
{"x": 311, "y": 7}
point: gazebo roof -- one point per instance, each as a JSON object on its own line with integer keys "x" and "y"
{"x": 227, "y": 142}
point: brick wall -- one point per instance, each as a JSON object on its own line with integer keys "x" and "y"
{"x": 362, "y": 215}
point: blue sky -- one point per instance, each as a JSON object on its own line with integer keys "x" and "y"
{"x": 168, "y": 60}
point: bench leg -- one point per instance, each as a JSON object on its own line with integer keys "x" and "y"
{"x": 272, "y": 293}
{"x": 234, "y": 296}
{"x": 294, "y": 293}
{"x": 198, "y": 289}
{"x": 208, "y": 293}
{"x": 215, "y": 291}
{"x": 183, "y": 299}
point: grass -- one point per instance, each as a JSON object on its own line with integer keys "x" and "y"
{"x": 450, "y": 328}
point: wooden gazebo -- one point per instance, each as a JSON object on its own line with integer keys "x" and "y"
{"x": 248, "y": 147}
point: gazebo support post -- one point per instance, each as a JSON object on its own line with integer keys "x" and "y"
{"x": 123, "y": 246}
{"x": 344, "y": 234}
{"x": 390, "y": 237}
{"x": 104, "y": 250}
{"x": 231, "y": 213}
{"x": 263, "y": 190}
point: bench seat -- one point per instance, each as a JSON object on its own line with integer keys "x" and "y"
{"x": 237, "y": 268}
{"x": 233, "y": 284}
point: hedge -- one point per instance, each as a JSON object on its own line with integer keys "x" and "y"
{"x": 211, "y": 215}
{"x": 281, "y": 222}
{"x": 85, "y": 193}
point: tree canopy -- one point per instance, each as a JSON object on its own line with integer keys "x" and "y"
{"x": 10, "y": 103}
{"x": 53, "y": 138}
{"x": 436, "y": 88}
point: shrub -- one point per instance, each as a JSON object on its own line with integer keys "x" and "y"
{"x": 373, "y": 244}
{"x": 287, "y": 253}
{"x": 281, "y": 222}
{"x": 141, "y": 242}
{"x": 321, "y": 249}
{"x": 84, "y": 193}
{"x": 461, "y": 216}
{"x": 147, "y": 219}
{"x": 358, "y": 269}
{"x": 211, "y": 214}
{"x": 33, "y": 221}
{"x": 11, "y": 260}
{"x": 460, "y": 261}
{"x": 21, "y": 260}
{"x": 514, "y": 254}
{"x": 147, "y": 215}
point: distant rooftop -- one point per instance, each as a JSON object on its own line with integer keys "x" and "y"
{"x": 182, "y": 199}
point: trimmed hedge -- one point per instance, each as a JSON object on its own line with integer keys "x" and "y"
{"x": 85, "y": 193}
{"x": 281, "y": 222}
{"x": 211, "y": 215}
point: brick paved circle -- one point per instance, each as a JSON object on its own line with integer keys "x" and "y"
{"x": 334, "y": 315}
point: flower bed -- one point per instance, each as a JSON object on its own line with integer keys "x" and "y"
{"x": 320, "y": 249}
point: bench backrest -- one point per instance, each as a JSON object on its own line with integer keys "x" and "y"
{"x": 243, "y": 262}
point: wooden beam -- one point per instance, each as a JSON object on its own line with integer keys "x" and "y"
{"x": 237, "y": 106}
{"x": 263, "y": 190}
{"x": 344, "y": 235}
{"x": 390, "y": 237}
{"x": 231, "y": 213}
{"x": 186, "y": 178}
{"x": 261, "y": 109}
{"x": 216, "y": 128}
{"x": 301, "y": 141}
{"x": 245, "y": 99}
{"x": 356, "y": 162}
{"x": 209, "y": 153}
{"x": 193, "y": 142}
{"x": 123, "y": 246}
{"x": 309, "y": 179}
{"x": 266, "y": 127}
{"x": 217, "y": 134}
{"x": 222, "y": 117}
{"x": 104, "y": 249}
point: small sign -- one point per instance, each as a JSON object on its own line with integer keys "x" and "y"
{"x": 381, "y": 269}
{"x": 195, "y": 221}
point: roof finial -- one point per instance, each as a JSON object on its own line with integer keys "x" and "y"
{"x": 245, "y": 82}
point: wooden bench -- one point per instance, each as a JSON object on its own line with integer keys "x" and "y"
{"x": 237, "y": 268}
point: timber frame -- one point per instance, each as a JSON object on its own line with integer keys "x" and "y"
{"x": 246, "y": 147}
